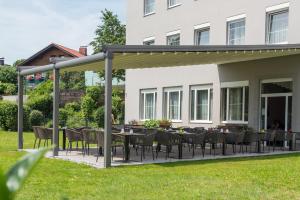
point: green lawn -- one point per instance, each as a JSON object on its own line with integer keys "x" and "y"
{"x": 273, "y": 177}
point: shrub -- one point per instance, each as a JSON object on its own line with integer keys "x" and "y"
{"x": 8, "y": 115}
{"x": 7, "y": 88}
{"x": 42, "y": 103}
{"x": 8, "y": 75}
{"x": 26, "y": 122}
{"x": 99, "y": 117}
{"x": 73, "y": 107}
{"x": 36, "y": 118}
{"x": 75, "y": 120}
{"x": 95, "y": 93}
{"x": 87, "y": 108}
{"x": 63, "y": 117}
{"x": 151, "y": 124}
{"x": 44, "y": 88}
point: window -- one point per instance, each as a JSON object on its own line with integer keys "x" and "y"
{"x": 173, "y": 3}
{"x": 173, "y": 40}
{"x": 172, "y": 104}
{"x": 201, "y": 103}
{"x": 149, "y": 6}
{"x": 148, "y": 100}
{"x": 277, "y": 27}
{"x": 149, "y": 41}
{"x": 234, "y": 99}
{"x": 202, "y": 36}
{"x": 236, "y": 32}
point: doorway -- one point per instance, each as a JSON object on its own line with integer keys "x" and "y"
{"x": 276, "y": 104}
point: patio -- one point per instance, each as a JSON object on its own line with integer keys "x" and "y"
{"x": 130, "y": 57}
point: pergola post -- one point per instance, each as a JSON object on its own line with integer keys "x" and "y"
{"x": 108, "y": 108}
{"x": 20, "y": 111}
{"x": 55, "y": 111}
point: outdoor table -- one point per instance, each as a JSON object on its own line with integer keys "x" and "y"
{"x": 64, "y": 138}
{"x": 180, "y": 145}
{"x": 127, "y": 136}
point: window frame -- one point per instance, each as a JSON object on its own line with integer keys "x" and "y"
{"x": 143, "y": 104}
{"x": 150, "y": 13}
{"x": 172, "y": 6}
{"x": 166, "y": 103}
{"x": 228, "y": 86}
{"x": 149, "y": 39}
{"x": 202, "y": 29}
{"x": 209, "y": 89}
{"x": 172, "y": 34}
{"x": 235, "y": 20}
{"x": 271, "y": 13}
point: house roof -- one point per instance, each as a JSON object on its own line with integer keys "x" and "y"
{"x": 140, "y": 56}
{"x": 71, "y": 52}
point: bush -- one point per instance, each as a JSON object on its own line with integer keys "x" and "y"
{"x": 151, "y": 124}
{"x": 99, "y": 117}
{"x": 87, "y": 108}
{"x": 75, "y": 120}
{"x": 36, "y": 118}
{"x": 8, "y": 115}
{"x": 95, "y": 93}
{"x": 26, "y": 122}
{"x": 42, "y": 103}
{"x": 73, "y": 107}
{"x": 44, "y": 88}
{"x": 63, "y": 117}
{"x": 8, "y": 75}
{"x": 7, "y": 89}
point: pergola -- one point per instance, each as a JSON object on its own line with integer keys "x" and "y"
{"x": 140, "y": 56}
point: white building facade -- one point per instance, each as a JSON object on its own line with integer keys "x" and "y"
{"x": 259, "y": 93}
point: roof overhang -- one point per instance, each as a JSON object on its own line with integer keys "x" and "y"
{"x": 141, "y": 56}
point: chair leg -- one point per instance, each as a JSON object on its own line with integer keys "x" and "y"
{"x": 193, "y": 146}
{"x": 34, "y": 143}
{"x": 142, "y": 151}
{"x": 152, "y": 152}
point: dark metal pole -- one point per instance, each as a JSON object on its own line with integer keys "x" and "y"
{"x": 20, "y": 111}
{"x": 55, "y": 111}
{"x": 108, "y": 108}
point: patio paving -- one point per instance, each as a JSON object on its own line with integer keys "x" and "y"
{"x": 77, "y": 156}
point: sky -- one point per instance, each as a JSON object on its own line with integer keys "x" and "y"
{"x": 27, "y": 26}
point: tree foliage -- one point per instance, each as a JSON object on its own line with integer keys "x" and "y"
{"x": 110, "y": 32}
{"x": 8, "y": 74}
{"x": 72, "y": 80}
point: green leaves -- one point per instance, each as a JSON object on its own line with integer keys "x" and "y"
{"x": 16, "y": 176}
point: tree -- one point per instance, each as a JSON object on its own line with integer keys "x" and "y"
{"x": 72, "y": 80}
{"x": 18, "y": 62}
{"x": 8, "y": 74}
{"x": 110, "y": 32}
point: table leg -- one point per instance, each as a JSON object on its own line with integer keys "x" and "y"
{"x": 180, "y": 151}
{"x": 64, "y": 139}
{"x": 127, "y": 148}
{"x": 224, "y": 148}
{"x": 258, "y": 147}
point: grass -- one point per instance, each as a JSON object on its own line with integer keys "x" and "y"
{"x": 271, "y": 177}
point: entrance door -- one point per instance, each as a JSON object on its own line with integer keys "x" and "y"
{"x": 276, "y": 105}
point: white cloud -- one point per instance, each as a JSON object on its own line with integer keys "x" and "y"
{"x": 27, "y": 28}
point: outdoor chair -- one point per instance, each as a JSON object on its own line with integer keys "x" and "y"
{"x": 279, "y": 139}
{"x": 36, "y": 135}
{"x": 234, "y": 138}
{"x": 250, "y": 137}
{"x": 167, "y": 139}
{"x": 268, "y": 138}
{"x": 74, "y": 136}
{"x": 89, "y": 137}
{"x": 44, "y": 134}
{"x": 213, "y": 138}
{"x": 144, "y": 141}
{"x": 199, "y": 139}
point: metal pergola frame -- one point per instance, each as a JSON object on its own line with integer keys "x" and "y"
{"x": 107, "y": 57}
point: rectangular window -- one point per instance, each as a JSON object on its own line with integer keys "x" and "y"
{"x": 277, "y": 27}
{"x": 172, "y": 104}
{"x": 173, "y": 40}
{"x": 172, "y": 3}
{"x": 234, "y": 108}
{"x": 202, "y": 36}
{"x": 148, "y": 99}
{"x": 201, "y": 104}
{"x": 236, "y": 32}
{"x": 149, "y": 42}
{"x": 149, "y": 6}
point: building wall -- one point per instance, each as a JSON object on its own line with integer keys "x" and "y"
{"x": 195, "y": 12}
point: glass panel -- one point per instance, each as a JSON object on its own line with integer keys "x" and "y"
{"x": 174, "y": 105}
{"x": 211, "y": 105}
{"x": 192, "y": 105}
{"x": 165, "y": 107}
{"x": 172, "y": 2}
{"x": 202, "y": 105}
{"x": 246, "y": 106}
{"x": 277, "y": 87}
{"x": 149, "y": 106}
{"x": 263, "y": 112}
{"x": 290, "y": 101}
{"x": 149, "y": 6}
{"x": 142, "y": 106}
{"x": 223, "y": 104}
{"x": 150, "y": 42}
{"x": 173, "y": 40}
{"x": 236, "y": 32}
{"x": 235, "y": 104}
{"x": 278, "y": 27}
{"x": 202, "y": 37}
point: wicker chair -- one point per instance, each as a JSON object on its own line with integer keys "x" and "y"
{"x": 250, "y": 138}
{"x": 74, "y": 136}
{"x": 44, "y": 134}
{"x": 199, "y": 139}
{"x": 213, "y": 138}
{"x": 36, "y": 135}
{"x": 279, "y": 139}
{"x": 235, "y": 138}
{"x": 89, "y": 137}
{"x": 144, "y": 141}
{"x": 167, "y": 139}
{"x": 268, "y": 138}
